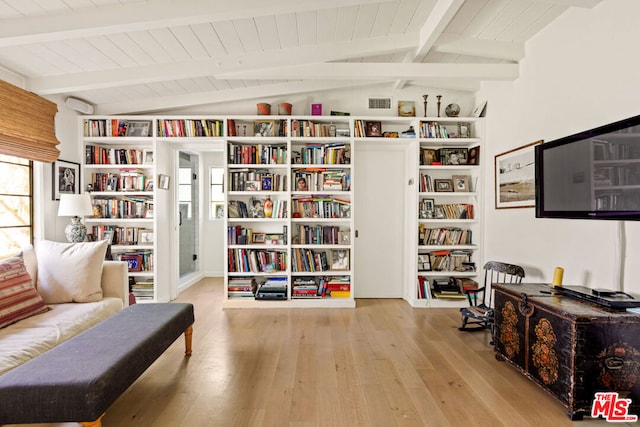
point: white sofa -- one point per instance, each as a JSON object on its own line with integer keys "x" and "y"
{"x": 27, "y": 338}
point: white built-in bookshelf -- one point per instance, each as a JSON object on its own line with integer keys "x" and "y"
{"x": 289, "y": 200}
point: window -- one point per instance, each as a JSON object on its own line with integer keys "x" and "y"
{"x": 16, "y": 204}
{"x": 184, "y": 189}
{"x": 216, "y": 177}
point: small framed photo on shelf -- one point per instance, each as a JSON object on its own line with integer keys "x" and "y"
{"x": 264, "y": 128}
{"x": 429, "y": 156}
{"x": 344, "y": 237}
{"x": 339, "y": 259}
{"x": 134, "y": 261}
{"x": 274, "y": 239}
{"x": 252, "y": 186}
{"x": 138, "y": 128}
{"x": 460, "y": 183}
{"x": 65, "y": 178}
{"x": 373, "y": 128}
{"x": 259, "y": 238}
{"x": 438, "y": 212}
{"x": 424, "y": 262}
{"x": 108, "y": 236}
{"x": 443, "y": 185}
{"x": 464, "y": 130}
{"x": 406, "y": 108}
{"x": 147, "y": 156}
{"x": 453, "y": 156}
{"x": 146, "y": 237}
{"x": 474, "y": 155}
{"x": 267, "y": 183}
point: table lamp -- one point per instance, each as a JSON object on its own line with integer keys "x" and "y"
{"x": 75, "y": 206}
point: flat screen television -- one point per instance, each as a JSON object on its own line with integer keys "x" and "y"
{"x": 594, "y": 174}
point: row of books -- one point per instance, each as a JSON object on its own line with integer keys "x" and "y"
{"x": 257, "y": 154}
{"x": 122, "y": 181}
{"x": 454, "y": 211}
{"x": 612, "y": 150}
{"x": 105, "y": 127}
{"x": 305, "y": 234}
{"x": 453, "y": 288}
{"x": 279, "y": 127}
{"x": 97, "y": 155}
{"x": 320, "y": 179}
{"x": 190, "y": 128}
{"x": 309, "y": 128}
{"x": 126, "y": 207}
{"x": 256, "y": 180}
{"x": 321, "y": 207}
{"x": 241, "y": 287}
{"x": 142, "y": 288}
{"x": 326, "y": 154}
{"x": 433, "y": 130}
{"x": 310, "y": 287}
{"x": 256, "y": 261}
{"x": 274, "y": 288}
{"x": 307, "y": 260}
{"x": 454, "y": 260}
{"x": 443, "y": 236}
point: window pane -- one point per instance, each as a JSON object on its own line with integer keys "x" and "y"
{"x": 184, "y": 176}
{"x": 184, "y": 193}
{"x": 14, "y": 179}
{"x": 216, "y": 175}
{"x": 216, "y": 193}
{"x": 13, "y": 239}
{"x": 15, "y": 211}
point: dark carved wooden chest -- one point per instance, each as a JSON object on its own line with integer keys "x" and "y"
{"x": 571, "y": 348}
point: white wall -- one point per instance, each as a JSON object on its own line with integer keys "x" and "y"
{"x": 213, "y": 230}
{"x": 579, "y": 73}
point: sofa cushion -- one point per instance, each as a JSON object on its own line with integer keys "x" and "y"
{"x": 70, "y": 272}
{"x": 18, "y": 297}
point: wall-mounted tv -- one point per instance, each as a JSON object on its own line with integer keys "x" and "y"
{"x": 593, "y": 174}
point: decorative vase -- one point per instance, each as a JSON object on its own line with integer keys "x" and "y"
{"x": 76, "y": 231}
{"x": 264, "y": 109}
{"x": 268, "y": 207}
{"x": 452, "y": 110}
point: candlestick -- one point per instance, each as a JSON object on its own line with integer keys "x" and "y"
{"x": 557, "y": 276}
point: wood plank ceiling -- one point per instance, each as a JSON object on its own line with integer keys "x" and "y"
{"x": 131, "y": 56}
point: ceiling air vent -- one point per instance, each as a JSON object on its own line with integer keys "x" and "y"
{"x": 379, "y": 103}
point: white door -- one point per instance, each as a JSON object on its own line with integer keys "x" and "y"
{"x": 379, "y": 192}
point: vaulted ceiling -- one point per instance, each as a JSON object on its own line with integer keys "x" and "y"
{"x": 130, "y": 56}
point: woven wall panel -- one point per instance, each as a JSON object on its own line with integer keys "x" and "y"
{"x": 27, "y": 124}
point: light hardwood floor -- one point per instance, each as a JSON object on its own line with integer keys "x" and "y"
{"x": 383, "y": 363}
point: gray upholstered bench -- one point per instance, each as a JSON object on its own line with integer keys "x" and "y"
{"x": 79, "y": 379}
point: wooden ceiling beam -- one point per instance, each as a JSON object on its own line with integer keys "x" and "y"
{"x": 198, "y": 68}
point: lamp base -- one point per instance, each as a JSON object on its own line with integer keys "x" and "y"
{"x": 76, "y": 231}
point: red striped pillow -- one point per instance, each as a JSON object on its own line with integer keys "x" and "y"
{"x": 18, "y": 297}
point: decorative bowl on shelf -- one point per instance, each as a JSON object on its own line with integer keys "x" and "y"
{"x": 452, "y": 110}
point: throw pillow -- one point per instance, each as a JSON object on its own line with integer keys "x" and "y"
{"x": 70, "y": 272}
{"x": 18, "y": 297}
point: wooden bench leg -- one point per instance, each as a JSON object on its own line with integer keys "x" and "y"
{"x": 188, "y": 334}
{"x": 96, "y": 423}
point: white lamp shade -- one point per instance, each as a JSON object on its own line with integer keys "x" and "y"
{"x": 75, "y": 205}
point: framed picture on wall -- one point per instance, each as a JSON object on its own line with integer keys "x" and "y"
{"x": 515, "y": 177}
{"x": 65, "y": 178}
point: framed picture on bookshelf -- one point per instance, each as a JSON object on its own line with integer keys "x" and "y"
{"x": 464, "y": 130}
{"x": 252, "y": 186}
{"x": 373, "y": 128}
{"x": 460, "y": 183}
{"x": 339, "y": 259}
{"x": 146, "y": 237}
{"x": 134, "y": 261}
{"x": 453, "y": 156}
{"x": 259, "y": 238}
{"x": 429, "y": 205}
{"x": 140, "y": 128}
{"x": 424, "y": 262}
{"x": 264, "y": 127}
{"x": 406, "y": 108}
{"x": 274, "y": 238}
{"x": 515, "y": 177}
{"x": 147, "y": 156}
{"x": 344, "y": 237}
{"x": 429, "y": 156}
{"x": 267, "y": 183}
{"x": 65, "y": 178}
{"x": 474, "y": 156}
{"x": 443, "y": 185}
